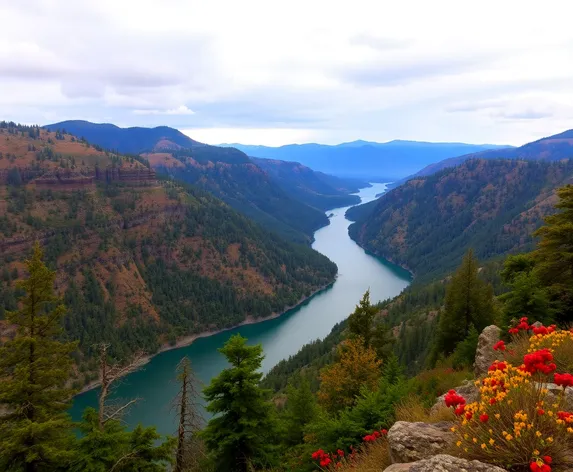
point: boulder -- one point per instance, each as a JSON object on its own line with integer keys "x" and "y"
{"x": 410, "y": 442}
{"x": 444, "y": 463}
{"x": 468, "y": 390}
{"x": 485, "y": 354}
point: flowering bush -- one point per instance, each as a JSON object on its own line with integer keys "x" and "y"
{"x": 332, "y": 460}
{"x": 517, "y": 424}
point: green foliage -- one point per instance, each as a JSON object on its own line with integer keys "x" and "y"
{"x": 526, "y": 296}
{"x": 360, "y": 322}
{"x": 35, "y": 433}
{"x": 301, "y": 408}
{"x": 115, "y": 448}
{"x": 554, "y": 255}
{"x": 465, "y": 352}
{"x": 238, "y": 435}
{"x": 469, "y": 301}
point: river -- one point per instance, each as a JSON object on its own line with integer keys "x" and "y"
{"x": 281, "y": 337}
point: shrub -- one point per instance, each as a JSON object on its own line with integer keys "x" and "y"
{"x": 517, "y": 423}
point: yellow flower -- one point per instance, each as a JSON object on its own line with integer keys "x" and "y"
{"x": 492, "y": 441}
{"x": 550, "y": 439}
{"x": 497, "y": 416}
{"x": 484, "y": 446}
{"x": 459, "y": 443}
{"x": 536, "y": 452}
{"x": 453, "y": 429}
{"x": 538, "y": 434}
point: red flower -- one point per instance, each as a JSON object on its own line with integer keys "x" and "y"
{"x": 513, "y": 331}
{"x": 460, "y": 410}
{"x": 469, "y": 415}
{"x": 498, "y": 366}
{"x": 499, "y": 346}
{"x": 340, "y": 452}
{"x": 563, "y": 380}
{"x": 540, "y": 330}
{"x": 324, "y": 462}
{"x": 484, "y": 418}
{"x": 540, "y": 412}
{"x": 453, "y": 399}
{"x": 539, "y": 361}
{"x": 565, "y": 416}
{"x": 535, "y": 467}
{"x": 492, "y": 401}
{"x": 384, "y": 431}
{"x": 317, "y": 454}
{"x": 547, "y": 459}
{"x": 369, "y": 438}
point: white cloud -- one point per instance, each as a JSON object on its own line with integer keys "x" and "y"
{"x": 180, "y": 110}
{"x": 290, "y": 71}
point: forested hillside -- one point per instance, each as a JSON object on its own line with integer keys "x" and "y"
{"x": 139, "y": 262}
{"x": 316, "y": 189}
{"x": 224, "y": 172}
{"x": 492, "y": 206}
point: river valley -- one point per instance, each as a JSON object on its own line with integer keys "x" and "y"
{"x": 281, "y": 337}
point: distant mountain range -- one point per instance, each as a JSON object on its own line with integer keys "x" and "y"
{"x": 364, "y": 159}
{"x": 552, "y": 148}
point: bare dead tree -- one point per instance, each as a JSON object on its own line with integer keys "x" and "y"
{"x": 190, "y": 420}
{"x": 109, "y": 375}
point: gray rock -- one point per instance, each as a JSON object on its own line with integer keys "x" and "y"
{"x": 468, "y": 390}
{"x": 444, "y": 463}
{"x": 410, "y": 442}
{"x": 555, "y": 392}
{"x": 399, "y": 467}
{"x": 485, "y": 354}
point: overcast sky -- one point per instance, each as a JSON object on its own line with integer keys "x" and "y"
{"x": 275, "y": 72}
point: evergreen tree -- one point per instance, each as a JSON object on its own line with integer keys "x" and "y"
{"x": 238, "y": 435}
{"x": 300, "y": 409}
{"x": 527, "y": 297}
{"x": 554, "y": 254}
{"x": 360, "y": 322}
{"x": 36, "y": 432}
{"x": 114, "y": 448}
{"x": 469, "y": 301}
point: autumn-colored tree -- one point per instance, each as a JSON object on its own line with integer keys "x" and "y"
{"x": 357, "y": 366}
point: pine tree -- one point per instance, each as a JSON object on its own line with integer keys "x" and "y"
{"x": 360, "y": 322}
{"x": 238, "y": 435}
{"x": 469, "y": 301}
{"x": 527, "y": 297}
{"x": 554, "y": 254}
{"x": 36, "y": 433}
{"x": 300, "y": 409}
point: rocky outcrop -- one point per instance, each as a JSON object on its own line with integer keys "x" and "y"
{"x": 444, "y": 463}
{"x": 485, "y": 354}
{"x": 119, "y": 174}
{"x": 411, "y": 442}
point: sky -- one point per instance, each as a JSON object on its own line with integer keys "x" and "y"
{"x": 278, "y": 72}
